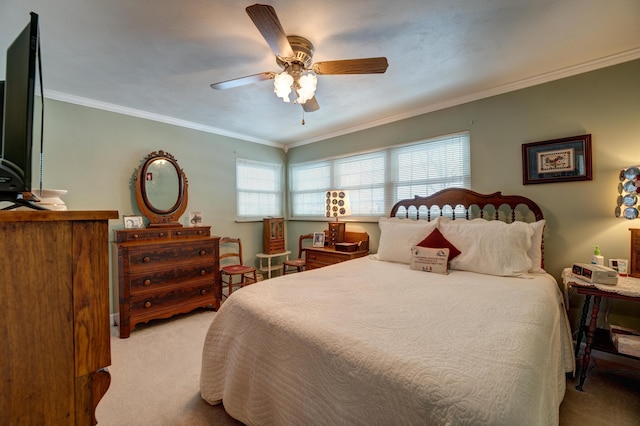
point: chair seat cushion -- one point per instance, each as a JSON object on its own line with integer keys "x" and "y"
{"x": 295, "y": 262}
{"x": 237, "y": 269}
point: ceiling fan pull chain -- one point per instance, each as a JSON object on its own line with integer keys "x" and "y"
{"x": 303, "y": 117}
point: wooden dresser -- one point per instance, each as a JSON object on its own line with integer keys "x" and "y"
{"x": 54, "y": 302}
{"x": 164, "y": 271}
{"x": 317, "y": 257}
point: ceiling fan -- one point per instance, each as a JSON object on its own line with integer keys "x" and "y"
{"x": 294, "y": 55}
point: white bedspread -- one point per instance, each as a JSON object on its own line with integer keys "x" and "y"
{"x": 375, "y": 343}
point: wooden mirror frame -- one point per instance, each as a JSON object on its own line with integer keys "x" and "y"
{"x": 155, "y": 216}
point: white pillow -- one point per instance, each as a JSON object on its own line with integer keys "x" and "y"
{"x": 429, "y": 259}
{"x": 489, "y": 246}
{"x": 397, "y": 236}
{"x": 535, "y": 252}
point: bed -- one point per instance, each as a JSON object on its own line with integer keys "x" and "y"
{"x": 395, "y": 337}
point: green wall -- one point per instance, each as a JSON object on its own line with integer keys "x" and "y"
{"x": 604, "y": 103}
{"x": 94, "y": 153}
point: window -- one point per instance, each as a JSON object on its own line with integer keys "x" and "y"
{"x": 377, "y": 180}
{"x": 259, "y": 189}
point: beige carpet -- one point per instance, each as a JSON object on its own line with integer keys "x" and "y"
{"x": 155, "y": 377}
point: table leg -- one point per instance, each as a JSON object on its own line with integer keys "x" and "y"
{"x": 590, "y": 333}
{"x": 268, "y": 267}
{"x": 583, "y": 322}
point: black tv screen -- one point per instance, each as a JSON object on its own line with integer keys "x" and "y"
{"x": 19, "y": 91}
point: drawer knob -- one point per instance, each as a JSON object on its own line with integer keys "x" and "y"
{"x": 203, "y": 252}
{"x": 161, "y": 234}
{"x": 200, "y": 232}
{"x": 203, "y": 272}
{"x": 147, "y": 304}
{"x": 179, "y": 233}
{"x": 146, "y": 259}
{"x": 136, "y": 236}
{"x": 203, "y": 291}
{"x": 147, "y": 281}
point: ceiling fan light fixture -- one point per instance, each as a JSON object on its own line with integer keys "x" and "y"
{"x": 282, "y": 85}
{"x": 307, "y": 89}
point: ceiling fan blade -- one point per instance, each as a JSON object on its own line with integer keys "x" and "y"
{"x": 264, "y": 17}
{"x": 352, "y": 66}
{"x": 311, "y": 105}
{"x": 243, "y": 81}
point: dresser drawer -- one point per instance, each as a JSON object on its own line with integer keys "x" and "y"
{"x": 203, "y": 231}
{"x": 169, "y": 300}
{"x": 318, "y": 258}
{"x": 142, "y": 235}
{"x": 154, "y": 280}
{"x": 142, "y": 258}
{"x": 326, "y": 258}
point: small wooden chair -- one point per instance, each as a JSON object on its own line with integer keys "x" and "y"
{"x": 231, "y": 264}
{"x": 301, "y": 261}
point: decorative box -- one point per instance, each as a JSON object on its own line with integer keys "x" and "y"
{"x": 348, "y": 247}
{"x": 626, "y": 340}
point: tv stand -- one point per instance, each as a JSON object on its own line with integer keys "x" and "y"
{"x": 19, "y": 200}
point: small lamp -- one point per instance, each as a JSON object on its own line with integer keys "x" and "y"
{"x": 337, "y": 204}
{"x": 627, "y": 203}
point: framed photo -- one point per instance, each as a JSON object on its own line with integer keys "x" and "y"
{"x": 195, "y": 218}
{"x": 557, "y": 160}
{"x": 133, "y": 222}
{"x": 318, "y": 239}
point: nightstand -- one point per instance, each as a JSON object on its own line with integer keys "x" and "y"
{"x": 628, "y": 288}
{"x": 317, "y": 257}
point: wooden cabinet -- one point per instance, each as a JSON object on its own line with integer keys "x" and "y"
{"x": 634, "y": 261}
{"x": 54, "y": 299}
{"x": 336, "y": 233}
{"x": 165, "y": 271}
{"x": 317, "y": 257}
{"x": 273, "y": 230}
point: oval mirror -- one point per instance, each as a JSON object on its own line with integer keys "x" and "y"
{"x": 161, "y": 189}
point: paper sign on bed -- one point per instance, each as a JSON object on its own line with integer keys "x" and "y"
{"x": 429, "y": 259}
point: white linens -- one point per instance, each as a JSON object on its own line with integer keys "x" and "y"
{"x": 375, "y": 343}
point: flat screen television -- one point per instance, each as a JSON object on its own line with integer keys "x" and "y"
{"x": 17, "y": 123}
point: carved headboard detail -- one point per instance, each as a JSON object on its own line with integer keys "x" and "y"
{"x": 462, "y": 201}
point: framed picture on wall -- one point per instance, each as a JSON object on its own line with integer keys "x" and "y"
{"x": 557, "y": 160}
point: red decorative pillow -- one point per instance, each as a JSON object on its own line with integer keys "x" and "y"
{"x": 436, "y": 240}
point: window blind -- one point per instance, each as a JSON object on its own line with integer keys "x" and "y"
{"x": 377, "y": 180}
{"x": 259, "y": 189}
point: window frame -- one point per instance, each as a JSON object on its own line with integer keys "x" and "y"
{"x": 388, "y": 189}
{"x": 242, "y": 213}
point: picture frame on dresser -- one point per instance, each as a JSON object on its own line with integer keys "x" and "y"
{"x": 557, "y": 160}
{"x": 133, "y": 222}
{"x": 318, "y": 239}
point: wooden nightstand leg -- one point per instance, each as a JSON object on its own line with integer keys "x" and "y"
{"x": 587, "y": 350}
{"x": 583, "y": 322}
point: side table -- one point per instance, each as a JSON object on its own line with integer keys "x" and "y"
{"x": 268, "y": 267}
{"x": 628, "y": 288}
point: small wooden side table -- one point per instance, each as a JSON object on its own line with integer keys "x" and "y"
{"x": 268, "y": 267}
{"x": 628, "y": 288}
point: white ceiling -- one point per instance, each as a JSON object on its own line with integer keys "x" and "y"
{"x": 156, "y": 59}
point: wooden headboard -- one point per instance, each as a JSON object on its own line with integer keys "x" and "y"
{"x": 460, "y": 200}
